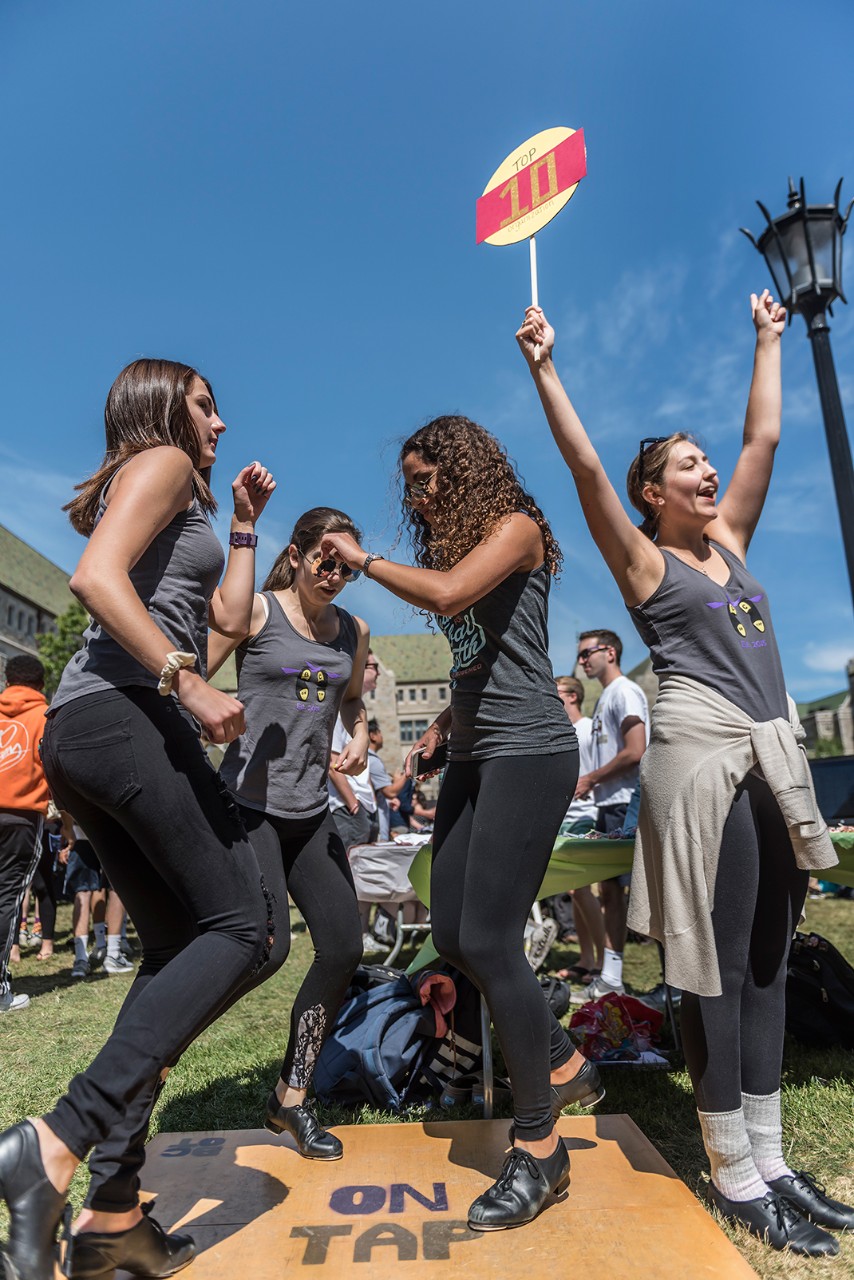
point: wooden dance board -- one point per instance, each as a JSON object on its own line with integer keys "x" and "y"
{"x": 395, "y": 1206}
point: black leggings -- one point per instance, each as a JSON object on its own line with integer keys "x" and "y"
{"x": 306, "y": 858}
{"x": 734, "y": 1042}
{"x": 496, "y": 823}
{"x": 44, "y": 890}
{"x": 129, "y": 765}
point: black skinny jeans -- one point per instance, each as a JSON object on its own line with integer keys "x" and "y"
{"x": 496, "y": 823}
{"x": 306, "y": 858}
{"x": 129, "y": 765}
{"x": 734, "y": 1042}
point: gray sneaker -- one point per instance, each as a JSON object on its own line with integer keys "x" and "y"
{"x": 595, "y": 990}
{"x": 80, "y": 969}
{"x": 11, "y": 1004}
{"x": 118, "y": 964}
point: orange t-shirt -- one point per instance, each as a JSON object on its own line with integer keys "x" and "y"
{"x": 22, "y": 781}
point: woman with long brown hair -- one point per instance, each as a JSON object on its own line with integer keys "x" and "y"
{"x": 122, "y": 753}
{"x": 485, "y": 560}
{"x": 728, "y": 825}
{"x": 300, "y": 665}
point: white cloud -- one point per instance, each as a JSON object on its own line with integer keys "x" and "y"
{"x": 832, "y": 657}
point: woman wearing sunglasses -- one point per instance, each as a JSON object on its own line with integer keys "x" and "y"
{"x": 485, "y": 560}
{"x": 728, "y": 826}
{"x": 301, "y": 662}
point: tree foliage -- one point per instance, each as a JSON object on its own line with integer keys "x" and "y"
{"x": 56, "y": 648}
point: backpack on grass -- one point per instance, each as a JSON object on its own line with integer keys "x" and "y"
{"x": 819, "y": 993}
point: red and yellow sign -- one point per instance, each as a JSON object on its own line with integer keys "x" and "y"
{"x": 531, "y": 186}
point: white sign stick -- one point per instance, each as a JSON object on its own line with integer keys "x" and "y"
{"x": 535, "y": 300}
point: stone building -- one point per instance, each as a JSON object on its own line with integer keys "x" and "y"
{"x": 33, "y": 593}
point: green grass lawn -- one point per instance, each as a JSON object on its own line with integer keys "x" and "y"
{"x": 224, "y": 1079}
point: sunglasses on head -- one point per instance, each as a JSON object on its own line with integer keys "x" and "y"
{"x": 649, "y": 442}
{"x": 584, "y": 654}
{"x": 324, "y": 568}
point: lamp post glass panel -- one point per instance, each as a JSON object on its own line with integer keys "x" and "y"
{"x": 803, "y": 250}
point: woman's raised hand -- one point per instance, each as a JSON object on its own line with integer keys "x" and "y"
{"x": 252, "y": 489}
{"x": 768, "y": 316}
{"x": 342, "y": 547}
{"x": 535, "y": 332}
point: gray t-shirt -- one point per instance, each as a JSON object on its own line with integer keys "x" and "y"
{"x": 291, "y": 688}
{"x": 503, "y": 696}
{"x": 175, "y": 578}
{"x": 719, "y": 635}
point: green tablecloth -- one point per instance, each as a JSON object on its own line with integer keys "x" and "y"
{"x": 576, "y": 862}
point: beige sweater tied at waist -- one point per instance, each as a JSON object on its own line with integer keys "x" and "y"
{"x": 701, "y": 748}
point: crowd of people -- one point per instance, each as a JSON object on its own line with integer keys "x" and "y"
{"x": 204, "y": 860}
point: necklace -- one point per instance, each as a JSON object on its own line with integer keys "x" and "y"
{"x": 699, "y": 565}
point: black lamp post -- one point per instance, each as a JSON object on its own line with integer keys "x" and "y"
{"x": 803, "y": 250}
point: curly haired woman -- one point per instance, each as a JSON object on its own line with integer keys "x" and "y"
{"x": 486, "y": 557}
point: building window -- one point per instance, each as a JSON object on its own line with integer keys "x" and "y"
{"x": 423, "y": 695}
{"x": 443, "y": 693}
{"x": 411, "y": 730}
{"x": 10, "y": 616}
{"x": 20, "y": 619}
{"x": 413, "y": 694}
{"x": 400, "y": 695}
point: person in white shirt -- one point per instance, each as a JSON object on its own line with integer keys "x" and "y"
{"x": 352, "y": 801}
{"x": 580, "y": 818}
{"x": 620, "y": 734}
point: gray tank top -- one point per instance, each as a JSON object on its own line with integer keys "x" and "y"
{"x": 721, "y": 636}
{"x": 503, "y": 696}
{"x": 292, "y": 689}
{"x": 175, "y": 578}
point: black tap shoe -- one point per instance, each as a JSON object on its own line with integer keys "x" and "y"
{"x": 810, "y": 1199}
{"x": 523, "y": 1187}
{"x": 775, "y": 1222}
{"x": 313, "y": 1141}
{"x": 35, "y": 1206}
{"x": 144, "y": 1250}
{"x": 585, "y": 1088}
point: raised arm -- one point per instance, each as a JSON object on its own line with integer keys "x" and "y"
{"x": 515, "y": 546}
{"x": 635, "y": 563}
{"x": 231, "y": 603}
{"x": 741, "y": 506}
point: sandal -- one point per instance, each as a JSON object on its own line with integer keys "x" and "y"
{"x": 578, "y": 973}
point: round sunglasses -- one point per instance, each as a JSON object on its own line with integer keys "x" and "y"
{"x": 325, "y": 568}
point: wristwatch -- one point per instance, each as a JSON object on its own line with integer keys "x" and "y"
{"x": 243, "y": 539}
{"x": 368, "y": 561}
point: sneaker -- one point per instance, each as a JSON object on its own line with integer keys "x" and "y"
{"x": 539, "y": 942}
{"x": 127, "y": 949}
{"x": 80, "y": 969}
{"x": 118, "y": 964}
{"x": 657, "y": 998}
{"x": 370, "y": 946}
{"x": 11, "y": 1004}
{"x": 97, "y": 956}
{"x": 595, "y": 990}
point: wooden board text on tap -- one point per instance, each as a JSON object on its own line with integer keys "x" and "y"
{"x": 531, "y": 186}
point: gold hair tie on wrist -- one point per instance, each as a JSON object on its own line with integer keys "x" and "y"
{"x": 173, "y": 664}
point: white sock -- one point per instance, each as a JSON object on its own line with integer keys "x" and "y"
{"x": 100, "y": 935}
{"x": 765, "y": 1131}
{"x": 734, "y": 1172}
{"x": 113, "y": 945}
{"x": 612, "y": 967}
{"x": 81, "y": 946}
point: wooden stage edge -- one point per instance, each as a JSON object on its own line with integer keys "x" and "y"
{"x": 395, "y": 1206}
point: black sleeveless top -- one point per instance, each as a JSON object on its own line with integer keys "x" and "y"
{"x": 719, "y": 635}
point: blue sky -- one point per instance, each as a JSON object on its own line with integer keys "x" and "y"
{"x": 283, "y": 195}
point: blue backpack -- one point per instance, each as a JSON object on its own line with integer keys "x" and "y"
{"x": 374, "y": 1053}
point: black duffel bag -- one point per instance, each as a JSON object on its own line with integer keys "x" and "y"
{"x": 819, "y": 993}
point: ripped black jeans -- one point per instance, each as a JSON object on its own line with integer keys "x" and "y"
{"x": 129, "y": 766}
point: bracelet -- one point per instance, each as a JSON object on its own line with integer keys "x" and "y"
{"x": 243, "y": 539}
{"x": 368, "y": 561}
{"x": 173, "y": 664}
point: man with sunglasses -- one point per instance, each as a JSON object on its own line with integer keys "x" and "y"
{"x": 620, "y": 734}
